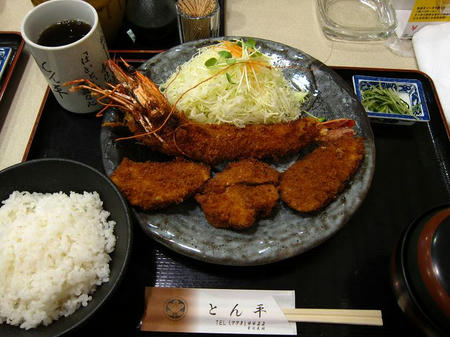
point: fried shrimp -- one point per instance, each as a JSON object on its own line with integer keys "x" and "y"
{"x": 213, "y": 144}
{"x": 314, "y": 181}
{"x": 157, "y": 185}
{"x": 159, "y": 125}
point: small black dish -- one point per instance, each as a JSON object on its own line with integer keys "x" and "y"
{"x": 54, "y": 175}
{"x": 420, "y": 271}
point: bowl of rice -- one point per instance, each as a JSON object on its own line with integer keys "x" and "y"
{"x": 65, "y": 241}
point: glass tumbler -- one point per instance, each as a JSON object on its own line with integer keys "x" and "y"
{"x": 356, "y": 20}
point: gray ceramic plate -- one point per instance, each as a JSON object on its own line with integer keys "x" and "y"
{"x": 287, "y": 233}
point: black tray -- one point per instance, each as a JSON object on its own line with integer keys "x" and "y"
{"x": 350, "y": 270}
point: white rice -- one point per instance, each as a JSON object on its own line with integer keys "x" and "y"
{"x": 53, "y": 254}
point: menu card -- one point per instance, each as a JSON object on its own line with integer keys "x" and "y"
{"x": 218, "y": 311}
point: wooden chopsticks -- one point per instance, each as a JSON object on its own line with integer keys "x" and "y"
{"x": 337, "y": 316}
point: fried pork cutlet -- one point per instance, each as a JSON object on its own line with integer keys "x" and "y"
{"x": 153, "y": 185}
{"x": 314, "y": 181}
{"x": 247, "y": 171}
{"x": 236, "y": 197}
{"x": 239, "y": 206}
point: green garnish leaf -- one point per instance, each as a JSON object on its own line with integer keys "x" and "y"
{"x": 225, "y": 54}
{"x": 211, "y": 62}
{"x": 320, "y": 119}
{"x": 256, "y": 54}
{"x": 250, "y": 43}
{"x": 230, "y": 61}
{"x": 230, "y": 80}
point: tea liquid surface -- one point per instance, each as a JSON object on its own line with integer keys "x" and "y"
{"x": 63, "y": 32}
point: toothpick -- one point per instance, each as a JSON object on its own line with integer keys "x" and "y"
{"x": 196, "y": 8}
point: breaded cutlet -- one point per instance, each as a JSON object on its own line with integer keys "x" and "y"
{"x": 236, "y": 197}
{"x": 246, "y": 171}
{"x": 239, "y": 206}
{"x": 314, "y": 181}
{"x": 153, "y": 185}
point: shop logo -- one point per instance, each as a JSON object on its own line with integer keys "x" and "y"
{"x": 175, "y": 308}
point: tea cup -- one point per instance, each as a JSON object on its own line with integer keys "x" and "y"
{"x": 83, "y": 59}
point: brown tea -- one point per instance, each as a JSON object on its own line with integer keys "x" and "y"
{"x": 63, "y": 32}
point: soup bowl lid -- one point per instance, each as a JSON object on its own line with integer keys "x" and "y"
{"x": 425, "y": 264}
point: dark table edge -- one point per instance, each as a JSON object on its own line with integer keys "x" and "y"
{"x": 36, "y": 124}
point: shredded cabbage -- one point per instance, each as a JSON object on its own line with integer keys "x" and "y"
{"x": 232, "y": 82}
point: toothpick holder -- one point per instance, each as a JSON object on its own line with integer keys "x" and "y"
{"x": 192, "y": 28}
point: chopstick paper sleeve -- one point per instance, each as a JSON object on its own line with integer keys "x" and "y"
{"x": 218, "y": 311}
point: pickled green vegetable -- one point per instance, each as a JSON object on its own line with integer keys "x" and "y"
{"x": 378, "y": 99}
